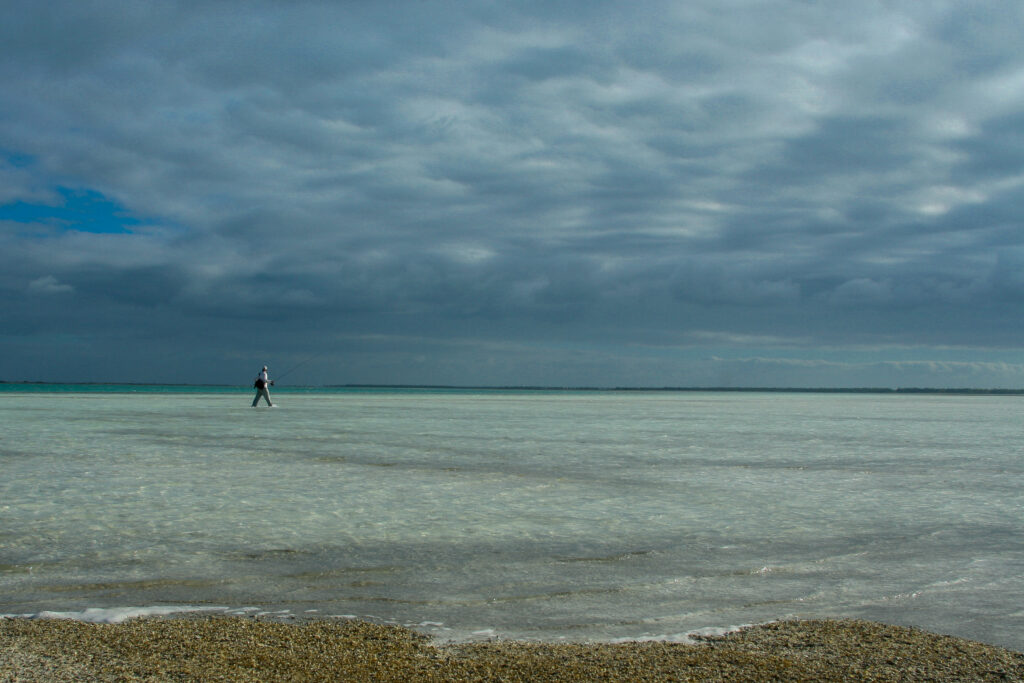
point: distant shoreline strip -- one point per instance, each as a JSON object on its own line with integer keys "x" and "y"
{"x": 114, "y": 387}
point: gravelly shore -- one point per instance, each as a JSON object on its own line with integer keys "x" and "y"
{"x": 240, "y": 649}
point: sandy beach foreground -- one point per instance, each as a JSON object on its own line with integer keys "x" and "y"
{"x": 239, "y": 649}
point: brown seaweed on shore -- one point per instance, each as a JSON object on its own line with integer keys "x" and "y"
{"x": 240, "y": 649}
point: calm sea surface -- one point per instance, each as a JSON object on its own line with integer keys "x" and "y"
{"x": 578, "y": 515}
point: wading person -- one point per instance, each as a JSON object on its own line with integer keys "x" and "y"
{"x": 262, "y": 388}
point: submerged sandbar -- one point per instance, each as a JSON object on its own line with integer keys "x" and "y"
{"x": 244, "y": 649}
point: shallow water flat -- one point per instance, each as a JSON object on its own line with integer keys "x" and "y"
{"x": 523, "y": 514}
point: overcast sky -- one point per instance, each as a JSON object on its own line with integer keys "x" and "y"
{"x": 698, "y": 193}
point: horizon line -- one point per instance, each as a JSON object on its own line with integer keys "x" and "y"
{"x": 518, "y": 387}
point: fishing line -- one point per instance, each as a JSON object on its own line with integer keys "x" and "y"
{"x": 300, "y": 364}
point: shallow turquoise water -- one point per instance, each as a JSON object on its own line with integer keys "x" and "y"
{"x": 581, "y": 515}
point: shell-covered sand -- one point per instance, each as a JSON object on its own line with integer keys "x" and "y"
{"x": 239, "y": 649}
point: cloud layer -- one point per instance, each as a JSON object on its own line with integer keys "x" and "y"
{"x": 476, "y": 193}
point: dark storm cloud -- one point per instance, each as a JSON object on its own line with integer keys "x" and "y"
{"x": 586, "y": 192}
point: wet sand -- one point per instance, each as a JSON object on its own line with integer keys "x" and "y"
{"x": 241, "y": 649}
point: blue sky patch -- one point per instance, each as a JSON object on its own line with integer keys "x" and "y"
{"x": 81, "y": 210}
{"x": 18, "y": 160}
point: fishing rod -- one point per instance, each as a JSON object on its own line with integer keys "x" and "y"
{"x": 300, "y": 364}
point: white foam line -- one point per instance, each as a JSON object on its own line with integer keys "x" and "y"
{"x": 114, "y": 615}
{"x": 688, "y": 637}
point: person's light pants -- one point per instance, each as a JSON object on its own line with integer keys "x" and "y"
{"x": 265, "y": 393}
